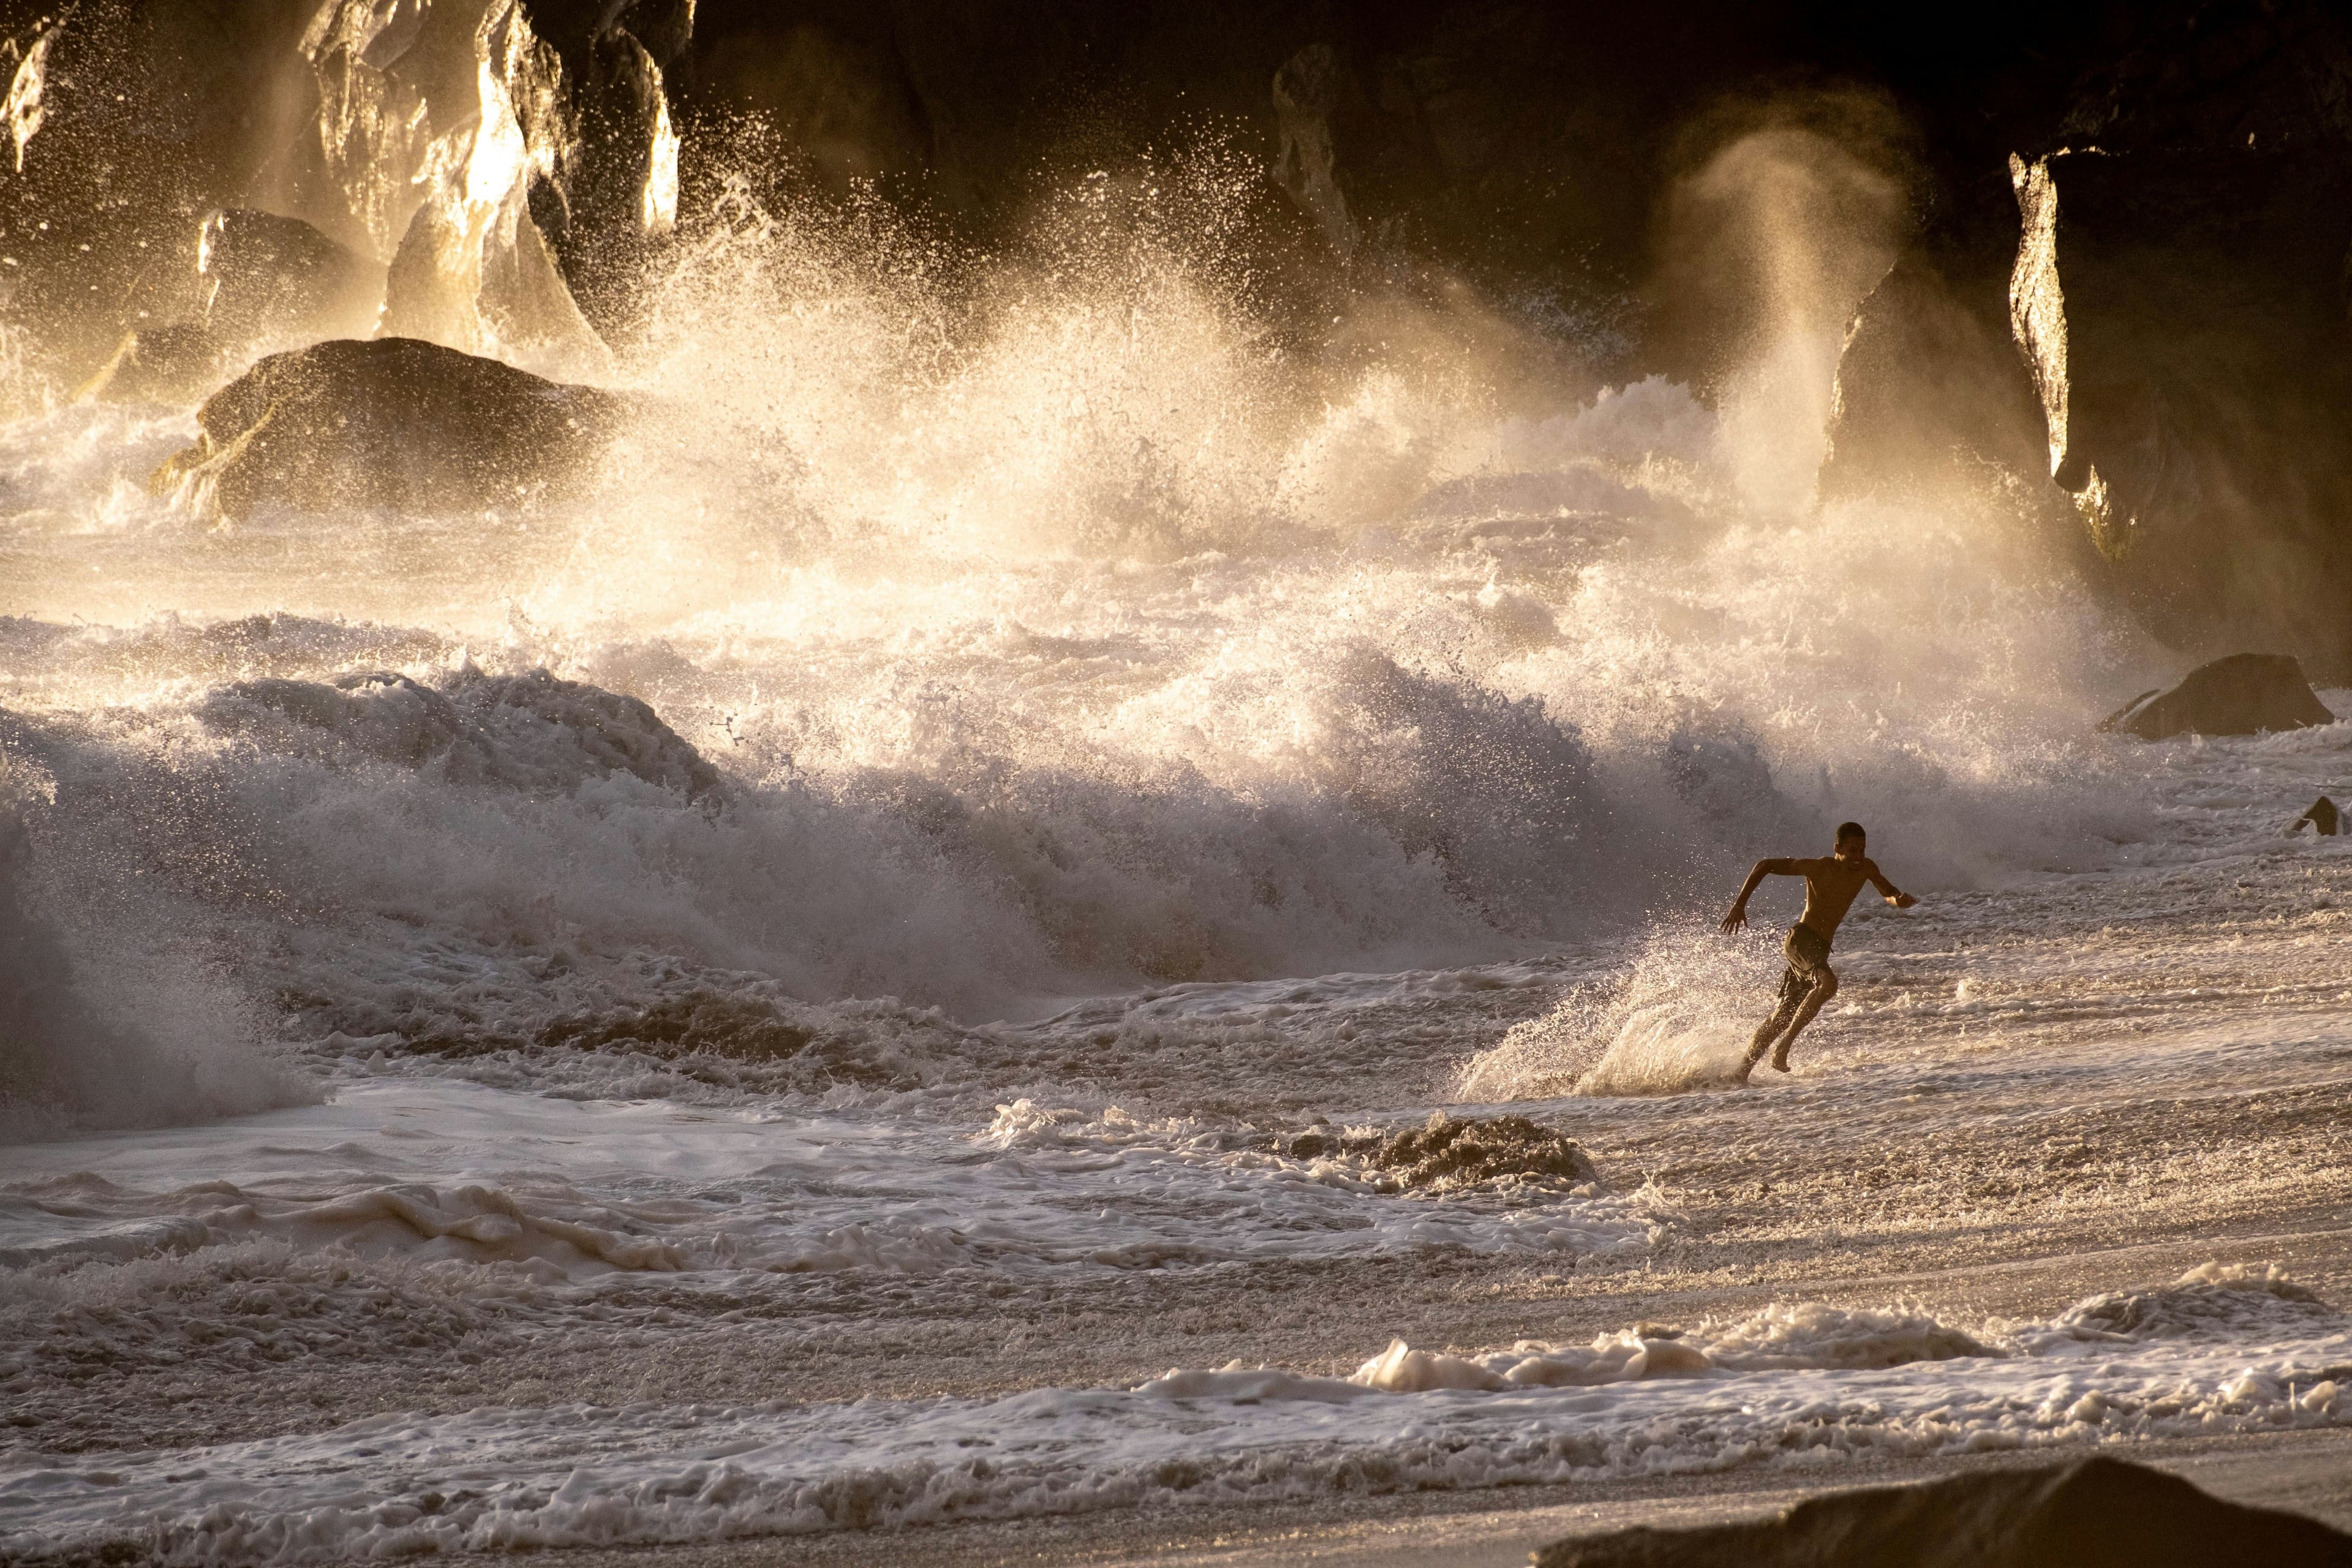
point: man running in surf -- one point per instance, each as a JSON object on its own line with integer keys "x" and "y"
{"x": 1831, "y": 883}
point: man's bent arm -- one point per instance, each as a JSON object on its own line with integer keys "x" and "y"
{"x": 1776, "y": 868}
{"x": 1888, "y": 890}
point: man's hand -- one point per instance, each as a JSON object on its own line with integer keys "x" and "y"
{"x": 1737, "y": 920}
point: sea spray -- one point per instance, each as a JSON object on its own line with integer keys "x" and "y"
{"x": 1676, "y": 1018}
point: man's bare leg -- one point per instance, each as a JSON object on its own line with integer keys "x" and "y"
{"x": 1764, "y": 1036}
{"x": 1823, "y": 989}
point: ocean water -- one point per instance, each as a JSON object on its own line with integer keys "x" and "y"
{"x": 787, "y": 995}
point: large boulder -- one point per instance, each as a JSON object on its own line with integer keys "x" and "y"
{"x": 2091, "y": 1513}
{"x": 2243, "y": 694}
{"x": 396, "y": 424}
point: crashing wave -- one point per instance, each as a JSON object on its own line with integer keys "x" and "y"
{"x": 528, "y": 732}
{"x": 69, "y": 1060}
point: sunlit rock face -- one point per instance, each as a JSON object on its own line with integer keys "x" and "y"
{"x": 2179, "y": 295}
{"x": 495, "y": 155}
{"x": 479, "y": 172}
{"x": 2191, "y": 316}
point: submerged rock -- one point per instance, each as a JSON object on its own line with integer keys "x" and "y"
{"x": 2243, "y": 694}
{"x": 376, "y": 714}
{"x": 1445, "y": 1153}
{"x": 2091, "y": 1513}
{"x": 395, "y": 424}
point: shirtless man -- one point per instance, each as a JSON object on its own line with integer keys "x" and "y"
{"x": 1831, "y": 883}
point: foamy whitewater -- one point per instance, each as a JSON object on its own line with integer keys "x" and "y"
{"x": 833, "y": 984}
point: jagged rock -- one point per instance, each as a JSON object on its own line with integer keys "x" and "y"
{"x": 1306, "y": 91}
{"x": 2243, "y": 694}
{"x": 1928, "y": 387}
{"x": 2182, "y": 309}
{"x": 532, "y": 731}
{"x": 260, "y": 281}
{"x": 2324, "y": 815}
{"x": 177, "y": 364}
{"x": 2096, "y": 1512}
{"x": 266, "y": 278}
{"x": 1447, "y": 1152}
{"x": 395, "y": 424}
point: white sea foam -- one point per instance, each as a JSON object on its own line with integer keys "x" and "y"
{"x": 1802, "y": 1388}
{"x": 436, "y": 1169}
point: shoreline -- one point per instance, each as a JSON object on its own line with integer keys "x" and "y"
{"x": 2302, "y": 1472}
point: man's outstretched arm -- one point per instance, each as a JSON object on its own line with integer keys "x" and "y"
{"x": 1738, "y": 915}
{"x": 1888, "y": 890}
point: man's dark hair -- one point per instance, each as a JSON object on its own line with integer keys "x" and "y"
{"x": 1850, "y": 830}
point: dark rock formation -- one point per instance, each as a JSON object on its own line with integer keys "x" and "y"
{"x": 390, "y": 424}
{"x": 1446, "y": 1152}
{"x": 2181, "y": 187}
{"x": 1929, "y": 390}
{"x": 177, "y": 364}
{"x": 2324, "y": 815}
{"x": 2089, "y": 1514}
{"x": 2181, "y": 224}
{"x": 2243, "y": 694}
{"x": 266, "y": 278}
{"x": 2185, "y": 313}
